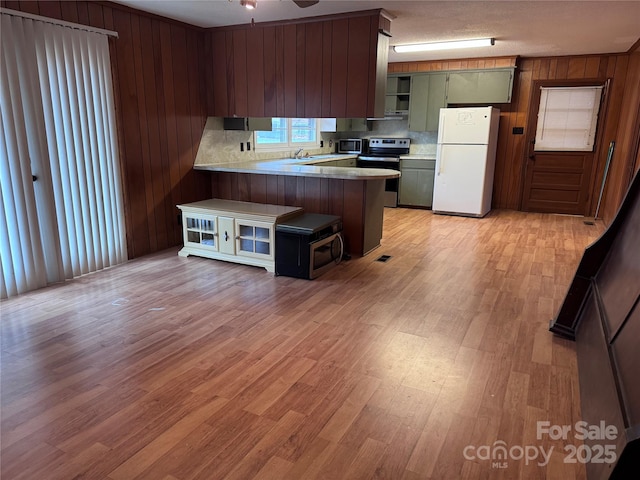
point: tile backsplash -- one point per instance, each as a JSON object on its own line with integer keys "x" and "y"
{"x": 218, "y": 146}
{"x": 421, "y": 142}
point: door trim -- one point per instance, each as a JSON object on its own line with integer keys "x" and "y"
{"x": 598, "y": 146}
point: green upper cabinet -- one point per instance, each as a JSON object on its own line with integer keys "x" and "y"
{"x": 428, "y": 96}
{"x": 421, "y": 95}
{"x": 398, "y": 95}
{"x": 480, "y": 86}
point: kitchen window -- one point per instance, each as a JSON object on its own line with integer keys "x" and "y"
{"x": 289, "y": 133}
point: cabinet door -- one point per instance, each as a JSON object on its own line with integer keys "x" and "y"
{"x": 416, "y": 187}
{"x": 343, "y": 124}
{"x": 200, "y": 231}
{"x": 262, "y": 124}
{"x": 254, "y": 239}
{"x": 226, "y": 229}
{"x": 436, "y": 99}
{"x": 240, "y": 79}
{"x": 483, "y": 86}
{"x": 359, "y": 125}
{"x": 347, "y": 162}
{"x": 419, "y": 102}
{"x": 428, "y": 96}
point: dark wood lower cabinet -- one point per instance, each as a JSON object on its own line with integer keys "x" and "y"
{"x": 602, "y": 312}
{"x": 360, "y": 203}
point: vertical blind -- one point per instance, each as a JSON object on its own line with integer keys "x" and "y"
{"x": 62, "y": 211}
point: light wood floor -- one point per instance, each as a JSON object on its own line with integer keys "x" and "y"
{"x": 189, "y": 368}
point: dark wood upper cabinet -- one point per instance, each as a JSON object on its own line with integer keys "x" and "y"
{"x": 241, "y": 82}
{"x": 332, "y": 66}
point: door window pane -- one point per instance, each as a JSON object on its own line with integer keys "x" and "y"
{"x": 567, "y": 118}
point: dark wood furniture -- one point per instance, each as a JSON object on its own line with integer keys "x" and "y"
{"x": 602, "y": 312}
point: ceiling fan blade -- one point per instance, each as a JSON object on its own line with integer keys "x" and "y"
{"x": 305, "y": 3}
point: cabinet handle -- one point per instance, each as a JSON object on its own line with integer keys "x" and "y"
{"x": 226, "y": 237}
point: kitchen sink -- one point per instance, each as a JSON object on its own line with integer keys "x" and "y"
{"x": 320, "y": 157}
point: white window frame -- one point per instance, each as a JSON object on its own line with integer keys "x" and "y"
{"x": 288, "y": 145}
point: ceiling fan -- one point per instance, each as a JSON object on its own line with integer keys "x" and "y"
{"x": 305, "y": 3}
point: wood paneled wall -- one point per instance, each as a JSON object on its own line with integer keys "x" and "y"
{"x": 161, "y": 113}
{"x": 619, "y": 121}
{"x": 458, "y": 64}
{"x": 626, "y": 159}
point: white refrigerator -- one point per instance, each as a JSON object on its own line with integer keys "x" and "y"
{"x": 465, "y": 161}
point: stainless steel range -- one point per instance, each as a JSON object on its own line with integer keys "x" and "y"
{"x": 385, "y": 153}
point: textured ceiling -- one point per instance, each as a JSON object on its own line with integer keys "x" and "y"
{"x": 525, "y": 28}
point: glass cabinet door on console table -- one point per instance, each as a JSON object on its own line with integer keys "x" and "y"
{"x": 233, "y": 231}
{"x": 200, "y": 231}
{"x": 254, "y": 239}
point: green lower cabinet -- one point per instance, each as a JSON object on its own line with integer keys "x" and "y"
{"x": 347, "y": 162}
{"x": 416, "y": 183}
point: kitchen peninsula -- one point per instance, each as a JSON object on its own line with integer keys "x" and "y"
{"x": 355, "y": 194}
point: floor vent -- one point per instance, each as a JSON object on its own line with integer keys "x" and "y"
{"x": 383, "y": 258}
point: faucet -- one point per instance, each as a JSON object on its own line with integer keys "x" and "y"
{"x": 298, "y": 153}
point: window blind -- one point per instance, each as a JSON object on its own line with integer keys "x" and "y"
{"x": 567, "y": 118}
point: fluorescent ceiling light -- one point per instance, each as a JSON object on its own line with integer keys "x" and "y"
{"x": 426, "y": 47}
{"x": 249, "y": 4}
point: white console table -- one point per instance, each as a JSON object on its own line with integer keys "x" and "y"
{"x": 240, "y": 232}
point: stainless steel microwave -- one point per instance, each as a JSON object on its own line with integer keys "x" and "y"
{"x": 350, "y": 145}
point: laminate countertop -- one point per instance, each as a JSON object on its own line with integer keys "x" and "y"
{"x": 303, "y": 167}
{"x": 419, "y": 156}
